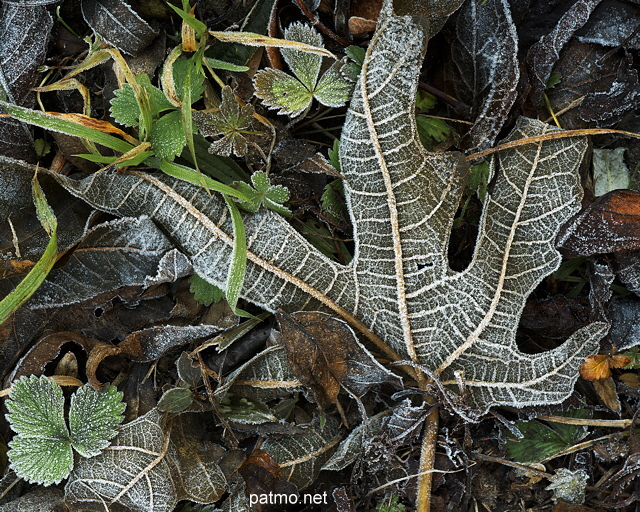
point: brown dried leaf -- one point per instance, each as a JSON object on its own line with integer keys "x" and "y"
{"x": 486, "y": 79}
{"x": 47, "y": 349}
{"x": 543, "y": 55}
{"x": 583, "y": 71}
{"x": 599, "y": 366}
{"x": 324, "y": 354}
{"x": 262, "y": 477}
{"x": 609, "y": 224}
{"x": 606, "y": 390}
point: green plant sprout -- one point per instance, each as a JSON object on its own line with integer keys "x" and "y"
{"x": 41, "y": 451}
{"x": 292, "y": 95}
{"x": 264, "y": 193}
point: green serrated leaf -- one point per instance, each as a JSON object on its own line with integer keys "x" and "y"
{"x": 124, "y": 107}
{"x": 432, "y": 131}
{"x": 542, "y": 440}
{"x": 180, "y": 70}
{"x": 263, "y": 193}
{"x": 305, "y": 65}
{"x": 41, "y": 460}
{"x": 93, "y": 418}
{"x": 36, "y": 408}
{"x": 167, "y": 137}
{"x": 204, "y": 292}
{"x": 40, "y": 452}
{"x": 333, "y": 90}
{"x": 280, "y": 91}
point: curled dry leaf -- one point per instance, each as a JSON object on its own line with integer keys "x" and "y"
{"x": 599, "y": 366}
{"x": 147, "y": 345}
{"x": 609, "y": 224}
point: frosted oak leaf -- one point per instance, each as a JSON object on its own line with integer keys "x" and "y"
{"x": 399, "y": 291}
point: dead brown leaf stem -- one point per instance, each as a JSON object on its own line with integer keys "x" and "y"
{"x": 550, "y": 136}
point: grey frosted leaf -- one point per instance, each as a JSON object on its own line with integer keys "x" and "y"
{"x": 624, "y": 313}
{"x": 302, "y": 456}
{"x": 606, "y": 108}
{"x": 93, "y": 418}
{"x": 351, "y": 448}
{"x": 31, "y": 3}
{"x": 545, "y": 53}
{"x": 485, "y": 52}
{"x": 40, "y": 499}
{"x": 612, "y": 24}
{"x": 610, "y": 172}
{"x": 265, "y": 375}
{"x": 149, "y": 466}
{"x": 628, "y": 270}
{"x": 123, "y": 252}
{"x": 118, "y": 25}
{"x": 24, "y": 36}
{"x": 406, "y": 422}
{"x": 17, "y": 210}
{"x": 305, "y": 65}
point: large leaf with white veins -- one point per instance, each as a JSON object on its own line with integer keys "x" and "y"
{"x": 399, "y": 290}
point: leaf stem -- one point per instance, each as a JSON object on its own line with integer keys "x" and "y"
{"x": 427, "y": 460}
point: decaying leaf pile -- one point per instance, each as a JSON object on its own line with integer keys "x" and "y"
{"x": 285, "y": 318}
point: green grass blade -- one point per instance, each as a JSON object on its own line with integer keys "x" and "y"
{"x": 192, "y": 176}
{"x": 41, "y": 269}
{"x": 190, "y": 20}
{"x": 238, "y": 267}
{"x": 56, "y": 124}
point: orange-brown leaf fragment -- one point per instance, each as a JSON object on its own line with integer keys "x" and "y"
{"x": 599, "y": 366}
{"x": 324, "y": 354}
{"x": 610, "y": 224}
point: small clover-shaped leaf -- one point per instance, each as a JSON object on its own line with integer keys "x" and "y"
{"x": 292, "y": 95}
{"x": 232, "y": 122}
{"x": 41, "y": 450}
{"x": 264, "y": 193}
